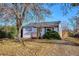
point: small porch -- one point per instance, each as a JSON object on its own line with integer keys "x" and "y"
{"x": 41, "y": 29}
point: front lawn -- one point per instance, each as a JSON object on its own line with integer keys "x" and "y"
{"x": 37, "y": 47}
{"x": 73, "y": 40}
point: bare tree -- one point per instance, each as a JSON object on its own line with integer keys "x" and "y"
{"x": 76, "y": 23}
{"x": 65, "y": 26}
{"x": 19, "y": 11}
{"x": 74, "y": 20}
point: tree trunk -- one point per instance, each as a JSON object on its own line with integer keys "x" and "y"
{"x": 21, "y": 32}
{"x": 19, "y": 36}
{"x": 19, "y": 27}
{"x": 37, "y": 33}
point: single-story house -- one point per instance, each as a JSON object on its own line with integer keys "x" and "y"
{"x": 31, "y": 30}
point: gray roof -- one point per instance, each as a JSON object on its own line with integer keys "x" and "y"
{"x": 44, "y": 24}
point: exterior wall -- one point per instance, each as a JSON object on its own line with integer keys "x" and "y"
{"x": 32, "y": 33}
{"x": 26, "y": 33}
{"x": 29, "y": 33}
{"x": 56, "y": 29}
{"x": 60, "y": 30}
{"x": 42, "y": 32}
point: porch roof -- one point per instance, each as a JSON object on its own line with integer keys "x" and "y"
{"x": 45, "y": 24}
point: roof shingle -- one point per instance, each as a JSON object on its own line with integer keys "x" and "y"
{"x": 44, "y": 24}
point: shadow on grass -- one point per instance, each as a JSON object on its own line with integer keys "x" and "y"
{"x": 63, "y": 43}
{"x": 52, "y": 42}
{"x": 44, "y": 41}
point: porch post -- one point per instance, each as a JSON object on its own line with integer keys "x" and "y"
{"x": 59, "y": 29}
{"x": 38, "y": 33}
{"x": 45, "y": 29}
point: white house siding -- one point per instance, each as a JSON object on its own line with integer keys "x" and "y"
{"x": 26, "y": 33}
{"x": 34, "y": 32}
{"x": 42, "y": 31}
{"x": 60, "y": 30}
{"x": 56, "y": 29}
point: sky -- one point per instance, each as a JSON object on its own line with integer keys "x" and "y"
{"x": 57, "y": 13}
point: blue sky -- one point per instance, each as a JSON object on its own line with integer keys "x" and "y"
{"x": 57, "y": 14}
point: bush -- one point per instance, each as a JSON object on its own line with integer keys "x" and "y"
{"x": 3, "y": 34}
{"x": 71, "y": 34}
{"x": 11, "y": 33}
{"x": 51, "y": 35}
{"x": 76, "y": 35}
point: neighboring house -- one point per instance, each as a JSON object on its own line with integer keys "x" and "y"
{"x": 30, "y": 31}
